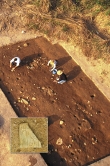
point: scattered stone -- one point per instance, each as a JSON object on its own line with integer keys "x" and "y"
{"x": 94, "y": 140}
{"x": 61, "y": 122}
{"x": 70, "y": 160}
{"x": 87, "y": 156}
{"x": 19, "y": 100}
{"x": 67, "y": 106}
{"x": 27, "y": 109}
{"x": 43, "y": 88}
{"x": 33, "y": 98}
{"x": 24, "y": 101}
{"x": 69, "y": 146}
{"x": 55, "y": 94}
{"x": 38, "y": 87}
{"x": 25, "y": 44}
{"x": 59, "y": 141}
{"x": 23, "y": 32}
{"x": 85, "y": 143}
{"x": 79, "y": 150}
{"x": 92, "y": 96}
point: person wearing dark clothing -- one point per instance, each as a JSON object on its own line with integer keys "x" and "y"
{"x": 62, "y": 77}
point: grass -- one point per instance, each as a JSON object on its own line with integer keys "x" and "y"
{"x": 104, "y": 4}
{"x": 96, "y": 12}
{"x": 59, "y": 22}
{"x": 46, "y": 32}
{"x": 108, "y": 24}
{"x": 108, "y": 12}
{"x": 33, "y": 26}
{"x": 36, "y": 3}
{"x": 65, "y": 28}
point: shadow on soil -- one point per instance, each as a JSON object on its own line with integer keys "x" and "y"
{"x": 1, "y": 121}
{"x": 53, "y": 158}
{"x": 92, "y": 162}
{"x": 29, "y": 59}
{"x": 11, "y": 99}
{"x": 52, "y": 119}
{"x": 63, "y": 60}
{"x": 73, "y": 73}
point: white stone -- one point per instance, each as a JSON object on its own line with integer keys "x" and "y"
{"x": 61, "y": 122}
{"x": 59, "y": 141}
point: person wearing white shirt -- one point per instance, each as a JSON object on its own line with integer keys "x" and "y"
{"x": 53, "y": 64}
{"x": 15, "y": 62}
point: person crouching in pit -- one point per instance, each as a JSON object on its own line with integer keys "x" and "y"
{"x": 62, "y": 77}
{"x": 15, "y": 62}
{"x": 53, "y": 64}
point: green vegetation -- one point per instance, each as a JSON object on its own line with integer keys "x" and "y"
{"x": 65, "y": 28}
{"x": 108, "y": 12}
{"x": 105, "y": 4}
{"x": 36, "y": 2}
{"x": 33, "y": 26}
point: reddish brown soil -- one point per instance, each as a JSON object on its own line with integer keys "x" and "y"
{"x": 79, "y": 103}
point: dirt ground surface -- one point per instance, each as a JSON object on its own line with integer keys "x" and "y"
{"x": 6, "y": 157}
{"x": 97, "y": 70}
{"x": 77, "y": 111}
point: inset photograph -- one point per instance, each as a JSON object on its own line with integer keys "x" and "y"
{"x": 29, "y": 135}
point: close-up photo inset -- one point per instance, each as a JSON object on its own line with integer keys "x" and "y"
{"x": 29, "y": 135}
